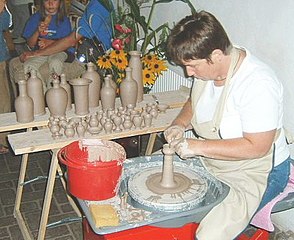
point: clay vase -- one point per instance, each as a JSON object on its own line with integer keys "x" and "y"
{"x": 95, "y": 85}
{"x": 112, "y": 82}
{"x": 137, "y": 72}
{"x": 128, "y": 89}
{"x": 108, "y": 126}
{"x": 81, "y": 95}
{"x": 64, "y": 84}
{"x": 35, "y": 91}
{"x": 56, "y": 99}
{"x": 80, "y": 130}
{"x": 107, "y": 95}
{"x": 24, "y": 105}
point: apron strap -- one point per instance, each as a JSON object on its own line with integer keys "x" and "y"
{"x": 218, "y": 114}
{"x": 200, "y": 85}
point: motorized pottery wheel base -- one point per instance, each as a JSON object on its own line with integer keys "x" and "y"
{"x": 171, "y": 188}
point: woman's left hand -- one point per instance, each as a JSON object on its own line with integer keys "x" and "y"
{"x": 43, "y": 42}
{"x": 184, "y": 148}
{"x": 26, "y": 55}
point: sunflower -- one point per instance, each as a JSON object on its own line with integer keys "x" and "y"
{"x": 121, "y": 63}
{"x": 104, "y": 62}
{"x": 118, "y": 54}
{"x": 158, "y": 66}
{"x": 148, "y": 77}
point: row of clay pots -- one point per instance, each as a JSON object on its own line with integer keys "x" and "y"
{"x": 31, "y": 100}
{"x": 110, "y": 120}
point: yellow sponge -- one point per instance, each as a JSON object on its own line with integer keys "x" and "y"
{"x": 104, "y": 215}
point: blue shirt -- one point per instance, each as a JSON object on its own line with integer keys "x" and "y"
{"x": 95, "y": 22}
{"x": 5, "y": 18}
{"x": 55, "y": 31}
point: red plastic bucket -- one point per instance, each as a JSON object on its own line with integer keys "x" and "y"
{"x": 94, "y": 168}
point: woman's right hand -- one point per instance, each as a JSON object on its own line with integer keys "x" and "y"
{"x": 174, "y": 134}
{"x": 42, "y": 29}
{"x": 2, "y": 5}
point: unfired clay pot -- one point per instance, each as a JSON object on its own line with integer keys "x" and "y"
{"x": 128, "y": 89}
{"x": 107, "y": 95}
{"x": 35, "y": 91}
{"x": 137, "y": 72}
{"x": 64, "y": 84}
{"x": 95, "y": 85}
{"x": 81, "y": 95}
{"x": 24, "y": 106}
{"x": 56, "y": 98}
{"x": 112, "y": 82}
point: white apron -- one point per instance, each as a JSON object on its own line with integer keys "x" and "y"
{"x": 247, "y": 178}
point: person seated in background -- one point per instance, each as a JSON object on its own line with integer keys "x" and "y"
{"x": 21, "y": 11}
{"x": 236, "y": 111}
{"x": 5, "y": 105}
{"x": 43, "y": 29}
{"x": 95, "y": 22}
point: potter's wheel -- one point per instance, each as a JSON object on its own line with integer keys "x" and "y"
{"x": 168, "y": 188}
{"x": 216, "y": 192}
{"x": 184, "y": 198}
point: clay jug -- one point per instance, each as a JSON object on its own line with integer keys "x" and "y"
{"x": 81, "y": 95}
{"x": 24, "y": 105}
{"x": 56, "y": 99}
{"x": 35, "y": 91}
{"x": 128, "y": 89}
{"x": 137, "y": 72}
{"x": 107, "y": 95}
{"x": 64, "y": 84}
{"x": 112, "y": 82}
{"x": 95, "y": 85}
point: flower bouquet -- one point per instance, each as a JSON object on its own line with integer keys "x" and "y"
{"x": 132, "y": 31}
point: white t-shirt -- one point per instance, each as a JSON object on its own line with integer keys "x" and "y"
{"x": 254, "y": 104}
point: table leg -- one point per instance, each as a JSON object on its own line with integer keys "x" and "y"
{"x": 70, "y": 199}
{"x": 48, "y": 195}
{"x": 17, "y": 214}
{"x": 150, "y": 144}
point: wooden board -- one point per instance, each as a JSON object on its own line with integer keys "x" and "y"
{"x": 173, "y": 98}
{"x": 41, "y": 140}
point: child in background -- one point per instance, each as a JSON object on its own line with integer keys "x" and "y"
{"x": 5, "y": 105}
{"x": 43, "y": 28}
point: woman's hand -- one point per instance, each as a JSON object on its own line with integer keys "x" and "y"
{"x": 26, "y": 55}
{"x": 43, "y": 42}
{"x": 184, "y": 148}
{"x": 42, "y": 29}
{"x": 2, "y": 5}
{"x": 174, "y": 134}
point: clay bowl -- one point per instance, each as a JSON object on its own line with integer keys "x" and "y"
{"x": 162, "y": 107}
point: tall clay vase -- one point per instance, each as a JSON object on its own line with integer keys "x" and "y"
{"x": 35, "y": 91}
{"x": 107, "y": 95}
{"x": 56, "y": 99}
{"x": 24, "y": 105}
{"x": 64, "y": 84}
{"x": 81, "y": 95}
{"x": 137, "y": 72}
{"x": 128, "y": 89}
{"x": 112, "y": 82}
{"x": 95, "y": 85}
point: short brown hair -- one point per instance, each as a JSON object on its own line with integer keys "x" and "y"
{"x": 195, "y": 37}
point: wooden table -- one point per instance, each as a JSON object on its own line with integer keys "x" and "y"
{"x": 41, "y": 140}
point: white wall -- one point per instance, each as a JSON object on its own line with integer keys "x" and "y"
{"x": 266, "y": 28}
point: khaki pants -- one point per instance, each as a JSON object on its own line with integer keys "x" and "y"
{"x": 5, "y": 104}
{"x": 55, "y": 62}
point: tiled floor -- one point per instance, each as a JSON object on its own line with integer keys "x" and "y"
{"x": 33, "y": 195}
